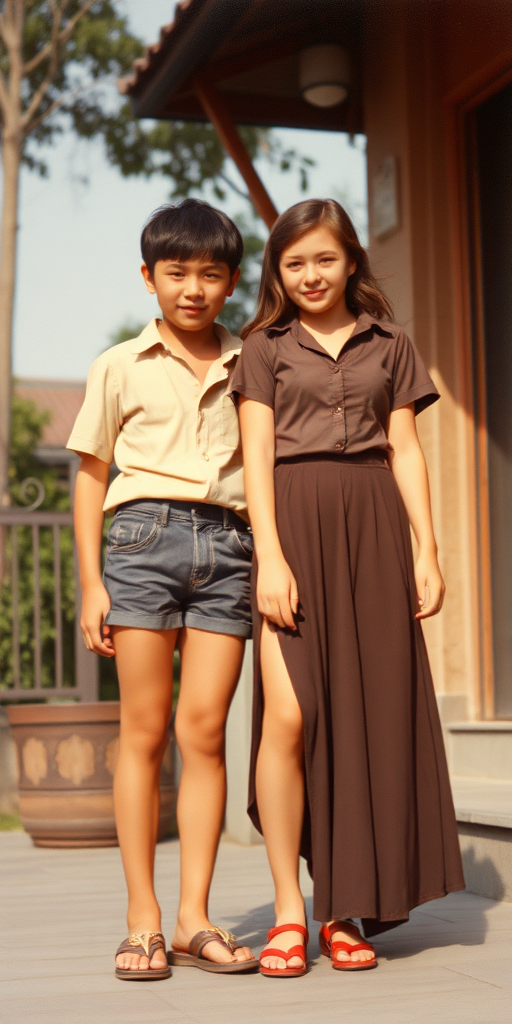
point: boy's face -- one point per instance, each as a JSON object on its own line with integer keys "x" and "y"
{"x": 190, "y": 294}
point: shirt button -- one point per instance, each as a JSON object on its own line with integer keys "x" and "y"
{"x": 338, "y": 408}
{"x": 206, "y": 457}
{"x": 335, "y": 369}
{"x": 338, "y": 445}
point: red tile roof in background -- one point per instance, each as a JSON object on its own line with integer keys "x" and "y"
{"x": 153, "y": 52}
{"x": 62, "y": 398}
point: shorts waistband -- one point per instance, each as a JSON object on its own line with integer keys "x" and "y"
{"x": 369, "y": 457}
{"x": 186, "y": 510}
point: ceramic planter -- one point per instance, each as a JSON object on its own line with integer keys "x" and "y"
{"x": 67, "y": 754}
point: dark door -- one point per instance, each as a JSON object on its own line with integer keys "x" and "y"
{"x": 493, "y": 136}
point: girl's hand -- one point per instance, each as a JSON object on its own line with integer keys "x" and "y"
{"x": 429, "y": 585}
{"x": 95, "y": 608}
{"x": 277, "y": 593}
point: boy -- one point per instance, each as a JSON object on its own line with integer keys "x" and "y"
{"x": 177, "y": 569}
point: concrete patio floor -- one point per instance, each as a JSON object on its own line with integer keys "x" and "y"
{"x": 62, "y": 914}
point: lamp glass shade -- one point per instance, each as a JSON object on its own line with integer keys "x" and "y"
{"x": 324, "y": 74}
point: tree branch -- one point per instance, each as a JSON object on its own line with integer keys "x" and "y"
{"x": 4, "y": 97}
{"x": 46, "y": 50}
{"x": 56, "y": 105}
{"x": 59, "y": 38}
{"x": 233, "y": 186}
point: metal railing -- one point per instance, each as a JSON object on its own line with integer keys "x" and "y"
{"x": 45, "y": 677}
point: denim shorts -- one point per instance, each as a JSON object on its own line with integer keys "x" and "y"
{"x": 179, "y": 563}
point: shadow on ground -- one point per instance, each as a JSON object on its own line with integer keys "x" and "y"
{"x": 434, "y": 925}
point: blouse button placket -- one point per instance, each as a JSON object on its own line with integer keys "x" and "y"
{"x": 338, "y": 408}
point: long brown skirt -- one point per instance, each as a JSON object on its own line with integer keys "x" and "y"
{"x": 379, "y": 834}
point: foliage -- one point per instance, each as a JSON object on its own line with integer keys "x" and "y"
{"x": 130, "y": 329}
{"x": 9, "y": 823}
{"x": 240, "y": 307}
{"x": 72, "y": 53}
{"x": 27, "y": 428}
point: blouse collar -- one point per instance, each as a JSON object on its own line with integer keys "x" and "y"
{"x": 363, "y": 323}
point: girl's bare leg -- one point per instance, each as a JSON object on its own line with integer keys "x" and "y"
{"x": 144, "y": 659}
{"x": 210, "y": 667}
{"x": 280, "y": 791}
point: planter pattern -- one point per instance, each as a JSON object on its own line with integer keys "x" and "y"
{"x": 66, "y": 761}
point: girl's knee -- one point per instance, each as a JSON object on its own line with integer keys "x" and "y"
{"x": 283, "y": 724}
{"x": 200, "y": 731}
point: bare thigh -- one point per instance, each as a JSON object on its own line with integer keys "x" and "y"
{"x": 144, "y": 659}
{"x": 210, "y": 667}
{"x": 282, "y": 711}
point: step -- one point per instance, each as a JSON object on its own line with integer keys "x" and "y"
{"x": 483, "y": 808}
{"x": 480, "y": 749}
{"x": 483, "y": 801}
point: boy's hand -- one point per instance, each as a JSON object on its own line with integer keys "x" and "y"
{"x": 429, "y": 585}
{"x": 277, "y": 593}
{"x": 95, "y": 608}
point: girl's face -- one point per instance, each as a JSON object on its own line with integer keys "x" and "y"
{"x": 315, "y": 270}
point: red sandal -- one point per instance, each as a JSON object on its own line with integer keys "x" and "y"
{"x": 286, "y": 972}
{"x": 330, "y": 948}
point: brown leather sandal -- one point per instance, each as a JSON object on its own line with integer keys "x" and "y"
{"x": 330, "y": 948}
{"x": 193, "y": 957}
{"x": 144, "y": 944}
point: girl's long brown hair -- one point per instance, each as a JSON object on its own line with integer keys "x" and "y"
{"x": 363, "y": 294}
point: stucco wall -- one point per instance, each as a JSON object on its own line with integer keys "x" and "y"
{"x": 415, "y": 53}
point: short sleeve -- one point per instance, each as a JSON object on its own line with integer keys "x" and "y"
{"x": 98, "y": 423}
{"x": 253, "y": 376}
{"x": 411, "y": 381}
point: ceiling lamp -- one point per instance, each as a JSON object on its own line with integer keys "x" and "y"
{"x": 324, "y": 74}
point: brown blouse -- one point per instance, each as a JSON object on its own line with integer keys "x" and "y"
{"x": 323, "y": 405}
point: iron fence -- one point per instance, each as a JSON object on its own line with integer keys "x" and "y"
{"x": 36, "y": 662}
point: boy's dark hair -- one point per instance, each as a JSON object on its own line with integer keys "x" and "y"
{"x": 191, "y": 230}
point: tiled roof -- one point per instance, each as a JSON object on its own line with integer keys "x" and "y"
{"x": 62, "y": 398}
{"x": 129, "y": 83}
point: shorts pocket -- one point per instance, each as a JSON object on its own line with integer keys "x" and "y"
{"x": 230, "y": 429}
{"x": 243, "y": 541}
{"x": 132, "y": 532}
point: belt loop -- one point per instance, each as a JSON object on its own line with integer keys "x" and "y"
{"x": 226, "y": 518}
{"x": 164, "y": 513}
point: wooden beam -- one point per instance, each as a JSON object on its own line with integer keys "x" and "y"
{"x": 214, "y": 106}
{"x": 267, "y": 111}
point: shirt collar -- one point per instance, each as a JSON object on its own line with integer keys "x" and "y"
{"x": 230, "y": 345}
{"x": 364, "y": 322}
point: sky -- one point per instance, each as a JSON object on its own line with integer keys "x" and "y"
{"x": 78, "y": 258}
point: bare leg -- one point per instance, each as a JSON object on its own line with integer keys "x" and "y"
{"x": 280, "y": 791}
{"x": 144, "y": 659}
{"x": 210, "y": 668}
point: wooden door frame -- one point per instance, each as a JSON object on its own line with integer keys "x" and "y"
{"x": 469, "y": 323}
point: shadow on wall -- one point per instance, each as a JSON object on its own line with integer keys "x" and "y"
{"x": 487, "y": 860}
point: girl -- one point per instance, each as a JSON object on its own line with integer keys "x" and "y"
{"x": 348, "y": 766}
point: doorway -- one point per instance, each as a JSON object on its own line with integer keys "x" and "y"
{"x": 490, "y": 170}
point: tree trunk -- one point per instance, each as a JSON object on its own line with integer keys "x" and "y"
{"x": 11, "y": 152}
{"x": 11, "y": 155}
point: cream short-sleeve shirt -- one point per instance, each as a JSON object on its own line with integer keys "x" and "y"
{"x": 170, "y": 436}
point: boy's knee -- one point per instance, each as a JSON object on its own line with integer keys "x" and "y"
{"x": 147, "y": 736}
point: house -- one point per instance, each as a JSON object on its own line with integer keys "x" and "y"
{"x": 63, "y": 400}
{"x": 430, "y": 84}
